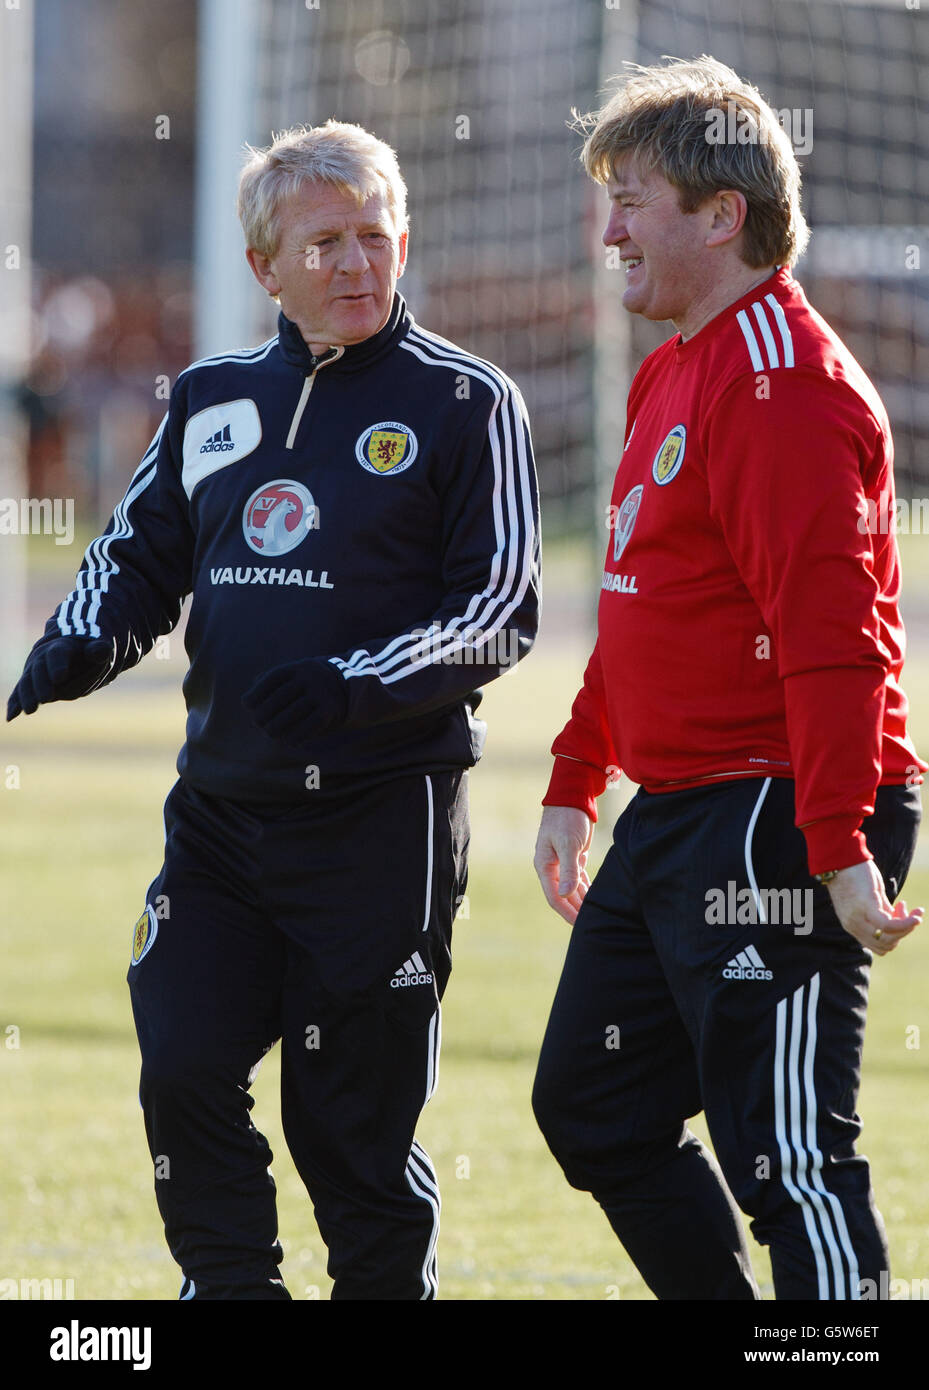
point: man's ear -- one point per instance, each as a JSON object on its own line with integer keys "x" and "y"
{"x": 730, "y": 208}
{"x": 404, "y": 238}
{"x": 262, "y": 269}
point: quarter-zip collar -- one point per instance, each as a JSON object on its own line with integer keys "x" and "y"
{"x": 325, "y": 360}
{"x": 357, "y": 355}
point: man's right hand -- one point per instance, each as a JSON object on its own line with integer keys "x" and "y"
{"x": 561, "y": 858}
{"x": 63, "y": 669}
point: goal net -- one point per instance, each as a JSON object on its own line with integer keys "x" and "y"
{"x": 504, "y": 253}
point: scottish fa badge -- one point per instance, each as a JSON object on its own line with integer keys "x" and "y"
{"x": 387, "y": 447}
{"x": 670, "y": 456}
{"x": 143, "y": 935}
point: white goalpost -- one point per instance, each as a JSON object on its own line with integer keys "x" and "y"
{"x": 16, "y": 49}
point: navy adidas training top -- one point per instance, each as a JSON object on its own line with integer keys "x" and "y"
{"x": 375, "y": 507}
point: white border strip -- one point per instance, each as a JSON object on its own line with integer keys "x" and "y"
{"x": 430, "y": 826}
{"x": 749, "y": 866}
{"x": 809, "y": 1190}
{"x": 420, "y": 1176}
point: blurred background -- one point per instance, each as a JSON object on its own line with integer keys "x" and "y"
{"x": 140, "y": 113}
{"x": 122, "y": 261}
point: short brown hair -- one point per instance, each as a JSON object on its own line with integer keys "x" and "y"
{"x": 661, "y": 116}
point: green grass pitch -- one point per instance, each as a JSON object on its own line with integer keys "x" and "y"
{"x": 82, "y": 838}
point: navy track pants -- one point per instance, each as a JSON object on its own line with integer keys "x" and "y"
{"x": 327, "y": 926}
{"x": 693, "y": 982}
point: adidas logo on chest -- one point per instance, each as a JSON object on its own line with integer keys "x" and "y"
{"x": 219, "y": 443}
{"x": 215, "y": 437}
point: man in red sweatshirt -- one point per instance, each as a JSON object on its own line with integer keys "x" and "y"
{"x": 746, "y": 675}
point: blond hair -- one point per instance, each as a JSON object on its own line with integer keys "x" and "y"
{"x": 347, "y": 157}
{"x": 664, "y": 117}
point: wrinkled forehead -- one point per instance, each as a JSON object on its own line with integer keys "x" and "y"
{"x": 319, "y": 206}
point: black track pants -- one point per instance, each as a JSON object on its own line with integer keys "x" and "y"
{"x": 329, "y": 927}
{"x": 693, "y": 982}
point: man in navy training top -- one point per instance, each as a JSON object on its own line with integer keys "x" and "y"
{"x": 353, "y": 508}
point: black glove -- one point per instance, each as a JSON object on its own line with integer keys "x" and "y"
{"x": 63, "y": 669}
{"x": 296, "y": 701}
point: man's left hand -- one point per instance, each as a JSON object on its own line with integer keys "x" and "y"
{"x": 297, "y": 701}
{"x": 862, "y": 907}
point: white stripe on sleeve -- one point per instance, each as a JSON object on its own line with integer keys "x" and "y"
{"x": 748, "y": 334}
{"x": 512, "y": 510}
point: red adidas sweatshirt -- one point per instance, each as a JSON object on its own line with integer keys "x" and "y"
{"x": 749, "y": 622}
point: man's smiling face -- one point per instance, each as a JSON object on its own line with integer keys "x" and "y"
{"x": 336, "y": 265}
{"x": 663, "y": 249}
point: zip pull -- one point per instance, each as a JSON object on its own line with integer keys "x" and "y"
{"x": 305, "y": 393}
